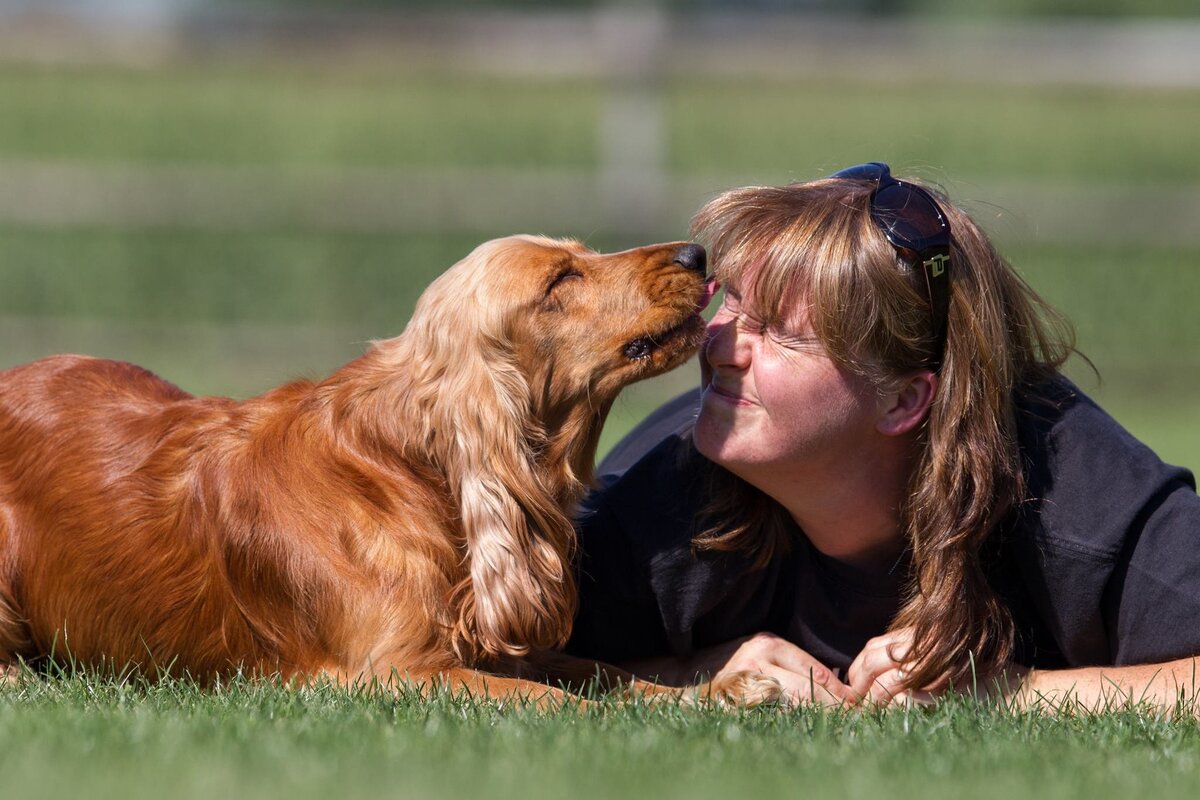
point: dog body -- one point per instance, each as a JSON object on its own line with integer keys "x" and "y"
{"x": 409, "y": 514}
{"x": 150, "y": 527}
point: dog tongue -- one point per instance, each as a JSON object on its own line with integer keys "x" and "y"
{"x": 710, "y": 288}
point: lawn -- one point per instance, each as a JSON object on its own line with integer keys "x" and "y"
{"x": 64, "y": 735}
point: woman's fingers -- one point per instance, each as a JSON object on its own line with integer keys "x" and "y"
{"x": 881, "y": 655}
{"x": 888, "y": 688}
{"x": 804, "y": 678}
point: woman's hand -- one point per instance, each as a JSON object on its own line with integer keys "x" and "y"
{"x": 878, "y": 672}
{"x": 804, "y": 678}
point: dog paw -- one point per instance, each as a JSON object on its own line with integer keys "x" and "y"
{"x": 10, "y": 674}
{"x": 745, "y": 689}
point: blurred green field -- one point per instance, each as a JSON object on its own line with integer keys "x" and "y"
{"x": 1077, "y": 135}
{"x": 292, "y": 115}
{"x": 234, "y": 311}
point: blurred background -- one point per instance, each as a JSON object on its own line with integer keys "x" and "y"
{"x": 237, "y": 193}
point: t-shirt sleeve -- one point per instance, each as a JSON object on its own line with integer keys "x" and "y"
{"x": 1154, "y": 594}
{"x": 670, "y": 420}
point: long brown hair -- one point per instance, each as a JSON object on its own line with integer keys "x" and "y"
{"x": 815, "y": 243}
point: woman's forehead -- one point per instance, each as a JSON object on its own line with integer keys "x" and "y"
{"x": 780, "y": 299}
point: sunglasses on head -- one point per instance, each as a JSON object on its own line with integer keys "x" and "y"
{"x": 914, "y": 224}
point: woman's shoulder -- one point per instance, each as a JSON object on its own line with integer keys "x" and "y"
{"x": 1105, "y": 543}
{"x": 649, "y": 486}
{"x": 670, "y": 423}
{"x": 1090, "y": 482}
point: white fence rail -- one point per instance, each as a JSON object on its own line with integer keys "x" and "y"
{"x": 497, "y": 201}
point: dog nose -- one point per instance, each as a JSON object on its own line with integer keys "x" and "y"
{"x": 693, "y": 257}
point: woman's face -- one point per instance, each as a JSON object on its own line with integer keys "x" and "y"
{"x": 775, "y": 404}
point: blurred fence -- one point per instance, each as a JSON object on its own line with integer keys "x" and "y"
{"x": 631, "y": 51}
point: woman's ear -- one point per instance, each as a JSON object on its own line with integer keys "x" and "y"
{"x": 905, "y": 408}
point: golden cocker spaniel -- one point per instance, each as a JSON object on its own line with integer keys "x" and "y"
{"x": 407, "y": 516}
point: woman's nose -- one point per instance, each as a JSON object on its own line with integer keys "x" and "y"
{"x": 724, "y": 345}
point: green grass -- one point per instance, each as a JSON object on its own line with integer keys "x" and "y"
{"x": 65, "y": 735}
{"x": 317, "y": 278}
{"x": 1130, "y": 304}
{"x": 1134, "y": 314}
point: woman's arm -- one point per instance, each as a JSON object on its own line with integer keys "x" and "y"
{"x": 1172, "y": 686}
{"x": 878, "y": 674}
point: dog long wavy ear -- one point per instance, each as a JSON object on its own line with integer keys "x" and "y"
{"x": 475, "y": 405}
{"x": 521, "y": 593}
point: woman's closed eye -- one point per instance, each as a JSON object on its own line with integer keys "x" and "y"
{"x": 774, "y": 332}
{"x": 751, "y": 324}
{"x": 793, "y": 341}
{"x": 746, "y": 321}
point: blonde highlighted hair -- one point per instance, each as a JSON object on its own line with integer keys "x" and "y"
{"x": 815, "y": 244}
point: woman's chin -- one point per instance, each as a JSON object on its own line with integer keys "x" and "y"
{"x": 713, "y": 436}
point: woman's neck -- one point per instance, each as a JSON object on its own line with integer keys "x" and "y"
{"x": 850, "y": 511}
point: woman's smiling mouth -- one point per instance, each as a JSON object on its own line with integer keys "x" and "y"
{"x": 725, "y": 395}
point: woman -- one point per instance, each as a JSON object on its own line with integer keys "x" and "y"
{"x": 884, "y": 486}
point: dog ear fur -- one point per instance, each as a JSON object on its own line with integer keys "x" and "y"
{"x": 473, "y": 404}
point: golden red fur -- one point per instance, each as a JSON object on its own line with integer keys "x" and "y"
{"x": 407, "y": 515}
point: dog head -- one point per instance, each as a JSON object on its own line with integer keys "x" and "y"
{"x": 579, "y": 325}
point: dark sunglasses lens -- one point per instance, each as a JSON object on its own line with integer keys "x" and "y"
{"x": 909, "y": 216}
{"x": 871, "y": 171}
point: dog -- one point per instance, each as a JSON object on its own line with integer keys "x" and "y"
{"x": 408, "y": 516}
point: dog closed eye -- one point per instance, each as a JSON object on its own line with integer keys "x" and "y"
{"x": 551, "y": 298}
{"x": 566, "y": 276}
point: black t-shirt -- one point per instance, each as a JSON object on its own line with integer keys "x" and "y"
{"x": 1100, "y": 566}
